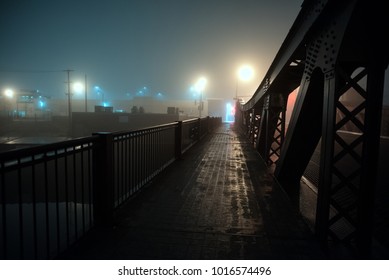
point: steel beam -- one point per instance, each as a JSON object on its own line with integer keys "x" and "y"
{"x": 344, "y": 59}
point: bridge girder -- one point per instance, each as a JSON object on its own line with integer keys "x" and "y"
{"x": 338, "y": 55}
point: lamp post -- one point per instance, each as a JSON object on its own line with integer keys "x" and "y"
{"x": 99, "y": 91}
{"x": 86, "y": 94}
{"x": 78, "y": 87}
{"x": 245, "y": 73}
{"x": 199, "y": 87}
{"x": 69, "y": 99}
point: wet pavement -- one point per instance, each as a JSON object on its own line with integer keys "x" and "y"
{"x": 218, "y": 202}
{"x": 18, "y": 142}
{"x": 32, "y": 140}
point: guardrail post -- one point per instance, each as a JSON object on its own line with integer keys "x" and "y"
{"x": 178, "y": 142}
{"x": 103, "y": 193}
{"x": 198, "y": 136}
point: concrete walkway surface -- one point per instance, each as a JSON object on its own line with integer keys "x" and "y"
{"x": 218, "y": 202}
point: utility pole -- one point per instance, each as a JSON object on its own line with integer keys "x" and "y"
{"x": 86, "y": 95}
{"x": 69, "y": 100}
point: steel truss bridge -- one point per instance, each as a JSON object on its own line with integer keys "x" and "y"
{"x": 335, "y": 54}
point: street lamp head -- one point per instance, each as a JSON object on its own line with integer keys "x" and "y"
{"x": 78, "y": 87}
{"x": 200, "y": 85}
{"x": 245, "y": 72}
{"x": 9, "y": 93}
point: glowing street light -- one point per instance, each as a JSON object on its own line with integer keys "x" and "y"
{"x": 245, "y": 73}
{"x": 199, "y": 87}
{"x": 9, "y": 93}
{"x": 100, "y": 91}
{"x": 78, "y": 87}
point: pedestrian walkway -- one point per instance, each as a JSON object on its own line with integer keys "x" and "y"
{"x": 217, "y": 202}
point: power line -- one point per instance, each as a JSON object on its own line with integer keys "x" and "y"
{"x": 30, "y": 71}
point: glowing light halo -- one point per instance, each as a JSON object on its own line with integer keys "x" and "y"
{"x": 78, "y": 87}
{"x": 245, "y": 72}
{"x": 200, "y": 85}
{"x": 9, "y": 93}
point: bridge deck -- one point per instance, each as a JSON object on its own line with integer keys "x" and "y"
{"x": 217, "y": 202}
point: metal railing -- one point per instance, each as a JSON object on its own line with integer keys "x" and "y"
{"x": 51, "y": 195}
{"x": 46, "y": 198}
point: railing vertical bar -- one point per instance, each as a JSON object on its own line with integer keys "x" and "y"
{"x": 151, "y": 152}
{"x": 3, "y": 212}
{"x": 149, "y": 147}
{"x": 118, "y": 198}
{"x": 83, "y": 189}
{"x": 128, "y": 152}
{"x": 90, "y": 181}
{"x": 133, "y": 162}
{"x": 116, "y": 172}
{"x": 125, "y": 154}
{"x": 160, "y": 155}
{"x": 163, "y": 150}
{"x": 20, "y": 206}
{"x": 121, "y": 169}
{"x": 140, "y": 160}
{"x": 122, "y": 155}
{"x": 75, "y": 193}
{"x": 35, "y": 229}
{"x": 131, "y": 157}
{"x": 47, "y": 210}
{"x": 115, "y": 187}
{"x": 131, "y": 165}
{"x": 57, "y": 201}
{"x": 144, "y": 158}
{"x": 154, "y": 153}
{"x": 67, "y": 198}
{"x": 137, "y": 168}
{"x": 169, "y": 141}
{"x": 128, "y": 166}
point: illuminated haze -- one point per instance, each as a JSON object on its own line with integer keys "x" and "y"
{"x": 124, "y": 45}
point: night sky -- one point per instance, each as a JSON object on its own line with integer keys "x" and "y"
{"x": 125, "y": 45}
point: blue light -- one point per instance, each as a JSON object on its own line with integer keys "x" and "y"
{"x": 229, "y": 113}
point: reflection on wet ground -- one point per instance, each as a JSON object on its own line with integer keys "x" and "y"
{"x": 218, "y": 202}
